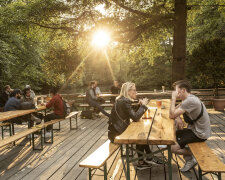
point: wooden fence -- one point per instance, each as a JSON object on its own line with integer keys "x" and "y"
{"x": 206, "y": 95}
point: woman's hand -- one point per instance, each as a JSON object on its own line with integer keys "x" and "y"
{"x": 144, "y": 101}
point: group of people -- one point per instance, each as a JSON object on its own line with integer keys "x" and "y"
{"x": 15, "y": 99}
{"x": 191, "y": 108}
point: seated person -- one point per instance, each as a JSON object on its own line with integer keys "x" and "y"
{"x": 115, "y": 89}
{"x": 4, "y": 97}
{"x": 195, "y": 114}
{"x": 97, "y": 89}
{"x": 35, "y": 117}
{"x": 121, "y": 114}
{"x": 32, "y": 94}
{"x": 13, "y": 104}
{"x": 92, "y": 99}
{"x": 57, "y": 103}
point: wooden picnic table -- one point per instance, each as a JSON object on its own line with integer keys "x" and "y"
{"x": 13, "y": 114}
{"x": 162, "y": 132}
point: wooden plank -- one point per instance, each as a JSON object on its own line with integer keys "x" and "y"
{"x": 72, "y": 114}
{"x": 100, "y": 156}
{"x": 206, "y": 159}
{"x": 15, "y": 163}
{"x": 73, "y": 159}
{"x": 15, "y": 137}
{"x": 47, "y": 168}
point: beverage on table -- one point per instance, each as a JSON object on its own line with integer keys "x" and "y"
{"x": 159, "y": 105}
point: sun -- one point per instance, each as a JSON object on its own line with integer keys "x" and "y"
{"x": 101, "y": 38}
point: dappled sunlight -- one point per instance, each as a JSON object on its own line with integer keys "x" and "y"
{"x": 75, "y": 71}
{"x": 109, "y": 65}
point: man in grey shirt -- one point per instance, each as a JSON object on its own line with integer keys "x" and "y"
{"x": 195, "y": 114}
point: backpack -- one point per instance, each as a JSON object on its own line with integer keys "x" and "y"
{"x": 86, "y": 114}
{"x": 65, "y": 109}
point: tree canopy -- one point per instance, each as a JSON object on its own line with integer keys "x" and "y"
{"x": 47, "y": 43}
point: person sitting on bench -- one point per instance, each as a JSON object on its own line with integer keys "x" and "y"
{"x": 195, "y": 114}
{"x": 57, "y": 103}
{"x": 92, "y": 99}
{"x": 13, "y": 104}
{"x": 121, "y": 114}
{"x": 4, "y": 97}
{"x": 27, "y": 100}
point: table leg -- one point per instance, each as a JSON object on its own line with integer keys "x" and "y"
{"x": 169, "y": 162}
{"x": 128, "y": 163}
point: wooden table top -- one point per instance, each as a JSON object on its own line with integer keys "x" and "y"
{"x": 162, "y": 132}
{"x": 100, "y": 95}
{"x": 13, "y": 114}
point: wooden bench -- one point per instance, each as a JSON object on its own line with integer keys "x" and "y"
{"x": 43, "y": 126}
{"x": 103, "y": 105}
{"x": 99, "y": 158}
{"x": 208, "y": 162}
{"x": 20, "y": 135}
{"x": 70, "y": 116}
{"x": 6, "y": 124}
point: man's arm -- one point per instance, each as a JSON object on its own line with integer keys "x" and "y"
{"x": 50, "y": 103}
{"x": 175, "y": 112}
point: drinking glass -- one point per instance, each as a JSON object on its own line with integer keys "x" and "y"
{"x": 159, "y": 104}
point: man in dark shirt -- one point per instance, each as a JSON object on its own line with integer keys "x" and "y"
{"x": 13, "y": 104}
{"x": 115, "y": 89}
{"x": 4, "y": 97}
{"x": 14, "y": 101}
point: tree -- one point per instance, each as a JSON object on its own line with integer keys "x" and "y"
{"x": 206, "y": 64}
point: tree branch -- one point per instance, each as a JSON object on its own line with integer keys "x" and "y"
{"x": 143, "y": 14}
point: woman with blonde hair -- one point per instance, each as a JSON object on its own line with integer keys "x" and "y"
{"x": 121, "y": 114}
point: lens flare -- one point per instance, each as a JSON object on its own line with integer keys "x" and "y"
{"x": 101, "y": 38}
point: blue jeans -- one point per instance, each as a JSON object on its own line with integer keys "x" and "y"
{"x": 96, "y": 105}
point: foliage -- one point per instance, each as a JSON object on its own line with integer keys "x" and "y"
{"x": 207, "y": 64}
{"x": 46, "y": 43}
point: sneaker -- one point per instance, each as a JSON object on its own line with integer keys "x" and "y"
{"x": 153, "y": 161}
{"x": 48, "y": 134}
{"x": 188, "y": 165}
{"x": 143, "y": 165}
{"x": 162, "y": 146}
{"x": 35, "y": 119}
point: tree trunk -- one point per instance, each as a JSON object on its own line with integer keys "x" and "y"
{"x": 179, "y": 40}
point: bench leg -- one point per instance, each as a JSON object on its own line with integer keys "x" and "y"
{"x": 219, "y": 176}
{"x": 51, "y": 142}
{"x": 13, "y": 132}
{"x": 169, "y": 162}
{"x": 89, "y": 171}
{"x": 33, "y": 144}
{"x": 71, "y": 128}
{"x": 2, "y": 132}
{"x": 58, "y": 128}
{"x": 76, "y": 122}
{"x": 128, "y": 163}
{"x": 105, "y": 171}
{"x": 199, "y": 173}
